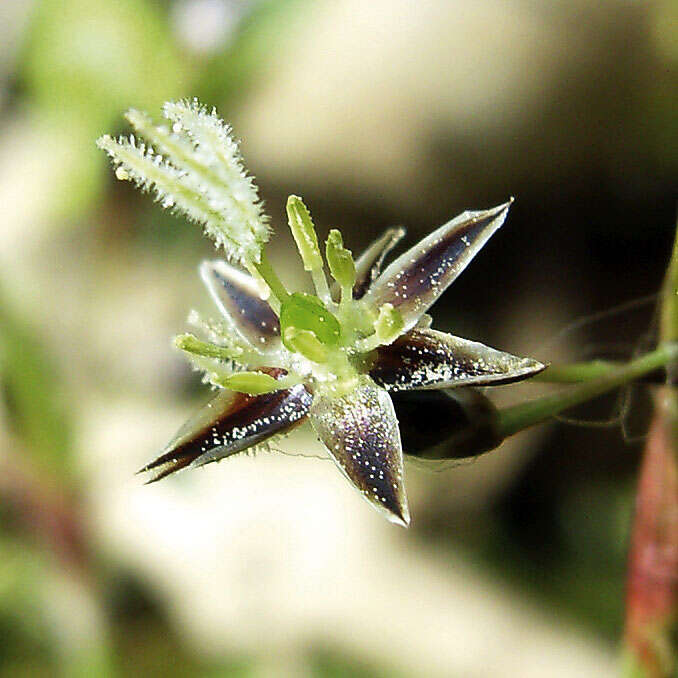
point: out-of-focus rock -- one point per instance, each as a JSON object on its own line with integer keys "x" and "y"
{"x": 400, "y": 102}
{"x": 282, "y": 549}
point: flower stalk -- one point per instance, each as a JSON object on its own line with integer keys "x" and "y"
{"x": 521, "y": 416}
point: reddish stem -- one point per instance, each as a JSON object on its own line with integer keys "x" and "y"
{"x": 44, "y": 510}
{"x": 652, "y": 585}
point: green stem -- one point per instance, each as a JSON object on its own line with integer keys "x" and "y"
{"x": 346, "y": 297}
{"x": 321, "y": 286}
{"x": 573, "y": 373}
{"x": 669, "y": 311}
{"x": 518, "y": 417}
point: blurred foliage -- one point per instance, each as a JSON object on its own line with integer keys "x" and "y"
{"x": 85, "y": 61}
{"x": 81, "y": 60}
{"x": 83, "y": 57}
{"x": 34, "y": 395}
{"x": 262, "y": 35}
{"x": 326, "y": 663}
{"x": 25, "y": 636}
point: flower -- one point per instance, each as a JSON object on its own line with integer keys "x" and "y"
{"x": 279, "y": 358}
{"x": 341, "y": 381}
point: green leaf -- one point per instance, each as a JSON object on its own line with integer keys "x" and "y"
{"x": 307, "y": 312}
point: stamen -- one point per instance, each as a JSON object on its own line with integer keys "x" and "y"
{"x": 342, "y": 266}
{"x": 256, "y": 383}
{"x": 387, "y": 328}
{"x": 306, "y": 239}
{"x": 304, "y": 233}
{"x": 389, "y": 324}
{"x": 191, "y": 344}
{"x": 306, "y": 343}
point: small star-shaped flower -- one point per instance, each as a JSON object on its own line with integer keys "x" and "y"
{"x": 334, "y": 357}
{"x": 346, "y": 400}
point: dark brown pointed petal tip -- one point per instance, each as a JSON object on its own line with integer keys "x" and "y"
{"x": 230, "y": 423}
{"x": 415, "y": 280}
{"x": 163, "y": 466}
{"x": 427, "y": 359}
{"x": 399, "y": 516}
{"x": 360, "y": 431}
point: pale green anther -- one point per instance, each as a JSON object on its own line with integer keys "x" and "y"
{"x": 304, "y": 233}
{"x": 389, "y": 324}
{"x": 191, "y": 344}
{"x": 253, "y": 383}
{"x": 340, "y": 260}
{"x": 306, "y": 343}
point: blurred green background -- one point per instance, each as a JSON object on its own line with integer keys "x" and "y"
{"x": 377, "y": 113}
